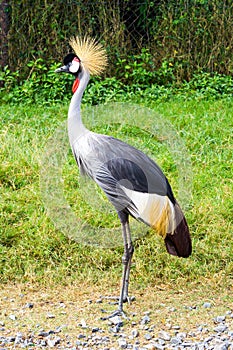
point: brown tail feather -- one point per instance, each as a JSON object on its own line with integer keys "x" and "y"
{"x": 179, "y": 243}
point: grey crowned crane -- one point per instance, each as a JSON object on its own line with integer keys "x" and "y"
{"x": 133, "y": 183}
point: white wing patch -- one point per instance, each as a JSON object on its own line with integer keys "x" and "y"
{"x": 155, "y": 210}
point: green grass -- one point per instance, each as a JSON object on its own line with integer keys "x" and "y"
{"x": 33, "y": 248}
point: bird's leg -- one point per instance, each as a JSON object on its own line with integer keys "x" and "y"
{"x": 130, "y": 255}
{"x": 126, "y": 259}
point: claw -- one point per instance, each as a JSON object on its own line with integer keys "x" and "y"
{"x": 115, "y": 314}
{"x": 119, "y": 312}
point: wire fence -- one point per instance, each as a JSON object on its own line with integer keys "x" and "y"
{"x": 190, "y": 35}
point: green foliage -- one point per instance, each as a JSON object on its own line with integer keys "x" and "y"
{"x": 101, "y": 91}
{"x": 135, "y": 78}
{"x": 41, "y": 86}
{"x": 136, "y": 69}
{"x": 206, "y": 85}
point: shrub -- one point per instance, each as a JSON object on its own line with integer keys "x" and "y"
{"x": 135, "y": 79}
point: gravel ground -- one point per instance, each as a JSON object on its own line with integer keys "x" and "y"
{"x": 140, "y": 332}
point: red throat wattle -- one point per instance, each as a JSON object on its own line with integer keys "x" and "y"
{"x": 75, "y": 85}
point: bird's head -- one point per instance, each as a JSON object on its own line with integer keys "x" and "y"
{"x": 72, "y": 65}
{"x": 89, "y": 55}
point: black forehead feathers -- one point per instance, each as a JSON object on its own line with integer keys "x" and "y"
{"x": 69, "y": 58}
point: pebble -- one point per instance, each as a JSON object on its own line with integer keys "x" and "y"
{"x": 99, "y": 301}
{"x": 83, "y": 323}
{"x": 150, "y": 346}
{"x": 145, "y": 320}
{"x": 43, "y": 334}
{"x": 181, "y": 335}
{"x": 148, "y": 336}
{"x": 116, "y": 320}
{"x": 175, "y": 341}
{"x": 157, "y": 346}
{"x": 122, "y": 343}
{"x": 53, "y": 342}
{"x": 207, "y": 305}
{"x": 81, "y": 336}
{"x": 135, "y": 333}
{"x": 95, "y": 329}
{"x": 176, "y": 327}
{"x": 220, "y": 319}
{"x": 164, "y": 335}
{"x": 29, "y": 305}
{"x": 12, "y": 317}
{"x": 172, "y": 309}
{"x": 114, "y": 329}
{"x": 220, "y": 329}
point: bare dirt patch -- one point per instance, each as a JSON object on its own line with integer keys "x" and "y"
{"x": 72, "y": 314}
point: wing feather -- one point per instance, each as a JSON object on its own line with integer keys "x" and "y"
{"x": 126, "y": 162}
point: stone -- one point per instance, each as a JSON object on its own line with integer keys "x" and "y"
{"x": 148, "y": 336}
{"x": 115, "y": 320}
{"x": 207, "y": 305}
{"x": 122, "y": 343}
{"x": 220, "y": 328}
{"x": 145, "y": 320}
{"x": 53, "y": 342}
{"x": 220, "y": 319}
{"x": 164, "y": 335}
{"x": 12, "y": 317}
{"x": 135, "y": 333}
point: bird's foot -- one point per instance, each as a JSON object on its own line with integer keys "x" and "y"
{"x": 115, "y": 317}
{"x": 119, "y": 312}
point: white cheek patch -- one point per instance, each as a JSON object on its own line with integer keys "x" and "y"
{"x": 74, "y": 66}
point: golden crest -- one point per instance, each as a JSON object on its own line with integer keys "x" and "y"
{"x": 91, "y": 53}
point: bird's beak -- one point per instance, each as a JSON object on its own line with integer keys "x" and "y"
{"x": 64, "y": 69}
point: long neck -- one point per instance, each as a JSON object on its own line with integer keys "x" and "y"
{"x": 75, "y": 125}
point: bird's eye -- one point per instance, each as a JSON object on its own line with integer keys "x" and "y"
{"x": 74, "y": 66}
